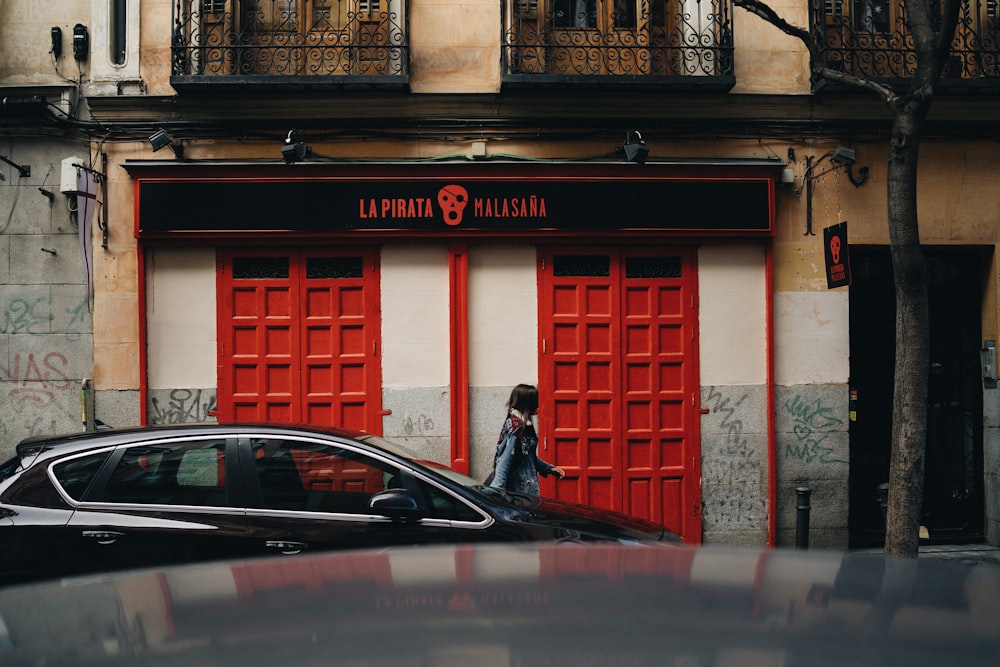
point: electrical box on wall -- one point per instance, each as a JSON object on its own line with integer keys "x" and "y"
{"x": 81, "y": 41}
{"x": 56, "y": 33}
{"x": 68, "y": 176}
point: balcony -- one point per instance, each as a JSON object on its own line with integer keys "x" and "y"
{"x": 871, "y": 39}
{"x": 307, "y": 43}
{"x": 669, "y": 43}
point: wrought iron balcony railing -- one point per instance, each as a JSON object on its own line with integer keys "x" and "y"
{"x": 308, "y": 41}
{"x": 871, "y": 39}
{"x": 633, "y": 41}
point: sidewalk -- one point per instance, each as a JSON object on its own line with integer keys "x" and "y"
{"x": 969, "y": 554}
{"x": 966, "y": 553}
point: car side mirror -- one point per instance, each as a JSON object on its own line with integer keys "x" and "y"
{"x": 395, "y": 503}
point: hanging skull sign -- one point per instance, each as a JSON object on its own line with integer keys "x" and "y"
{"x": 837, "y": 255}
{"x": 835, "y": 249}
{"x": 453, "y": 199}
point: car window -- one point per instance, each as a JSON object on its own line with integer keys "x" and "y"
{"x": 75, "y": 475}
{"x": 9, "y": 467}
{"x": 308, "y": 476}
{"x": 176, "y": 473}
{"x": 443, "y": 505}
{"x": 297, "y": 475}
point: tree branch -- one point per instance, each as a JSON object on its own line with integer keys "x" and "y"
{"x": 887, "y": 94}
{"x": 762, "y": 10}
{"x": 817, "y": 63}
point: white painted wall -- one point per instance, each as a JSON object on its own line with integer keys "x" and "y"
{"x": 733, "y": 315}
{"x": 503, "y": 316}
{"x": 415, "y": 315}
{"x": 812, "y": 338}
{"x": 181, "y": 312}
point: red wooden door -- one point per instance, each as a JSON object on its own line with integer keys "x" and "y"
{"x": 298, "y": 338}
{"x": 619, "y": 377}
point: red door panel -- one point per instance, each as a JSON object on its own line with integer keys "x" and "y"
{"x": 619, "y": 375}
{"x": 298, "y": 336}
{"x": 260, "y": 342}
{"x": 583, "y": 379}
{"x": 340, "y": 318}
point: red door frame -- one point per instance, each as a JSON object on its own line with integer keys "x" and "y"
{"x": 369, "y": 349}
{"x": 458, "y": 282}
{"x": 603, "y": 332}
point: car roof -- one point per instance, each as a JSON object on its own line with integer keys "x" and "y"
{"x": 120, "y": 435}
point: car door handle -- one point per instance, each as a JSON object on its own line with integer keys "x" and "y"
{"x": 103, "y": 536}
{"x": 288, "y": 548}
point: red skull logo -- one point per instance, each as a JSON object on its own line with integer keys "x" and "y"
{"x": 835, "y": 249}
{"x": 453, "y": 200}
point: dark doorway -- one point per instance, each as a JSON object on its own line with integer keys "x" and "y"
{"x": 953, "y": 481}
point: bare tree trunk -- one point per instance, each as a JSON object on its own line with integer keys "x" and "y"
{"x": 909, "y": 407}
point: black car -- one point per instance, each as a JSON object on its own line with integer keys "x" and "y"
{"x": 505, "y": 605}
{"x": 119, "y": 499}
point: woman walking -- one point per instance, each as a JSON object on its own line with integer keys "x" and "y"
{"x": 516, "y": 465}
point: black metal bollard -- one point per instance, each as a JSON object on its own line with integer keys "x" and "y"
{"x": 802, "y": 508}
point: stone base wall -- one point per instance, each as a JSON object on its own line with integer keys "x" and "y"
{"x": 734, "y": 465}
{"x": 812, "y": 451}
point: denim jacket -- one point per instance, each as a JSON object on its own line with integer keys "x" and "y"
{"x": 516, "y": 464}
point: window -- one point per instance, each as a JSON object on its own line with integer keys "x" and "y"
{"x": 872, "y": 39}
{"x": 574, "y": 13}
{"x": 316, "y": 477}
{"x": 872, "y": 16}
{"x": 618, "y": 37}
{"x": 119, "y": 31}
{"x": 9, "y": 467}
{"x": 178, "y": 473}
{"x": 314, "y": 38}
{"x": 369, "y": 6}
{"x": 260, "y": 268}
{"x": 594, "y": 14}
{"x": 443, "y": 505}
{"x": 114, "y": 34}
{"x": 307, "y": 476}
{"x": 76, "y": 475}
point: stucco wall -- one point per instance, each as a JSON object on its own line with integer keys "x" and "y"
{"x": 181, "y": 317}
{"x": 25, "y": 34}
{"x": 503, "y": 340}
{"x": 767, "y": 60}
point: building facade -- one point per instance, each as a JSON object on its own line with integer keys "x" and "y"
{"x": 384, "y": 214}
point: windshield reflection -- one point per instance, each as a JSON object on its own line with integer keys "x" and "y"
{"x": 405, "y": 452}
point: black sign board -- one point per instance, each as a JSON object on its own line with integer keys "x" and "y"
{"x": 838, "y": 259}
{"x": 452, "y": 204}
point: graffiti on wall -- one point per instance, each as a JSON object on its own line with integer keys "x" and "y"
{"x": 39, "y": 393}
{"x": 38, "y": 396}
{"x": 36, "y": 377}
{"x": 39, "y": 376}
{"x": 812, "y": 424}
{"x": 731, "y": 474}
{"x": 37, "y": 317}
{"x": 734, "y": 461}
{"x": 417, "y": 425}
{"x": 181, "y": 406}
